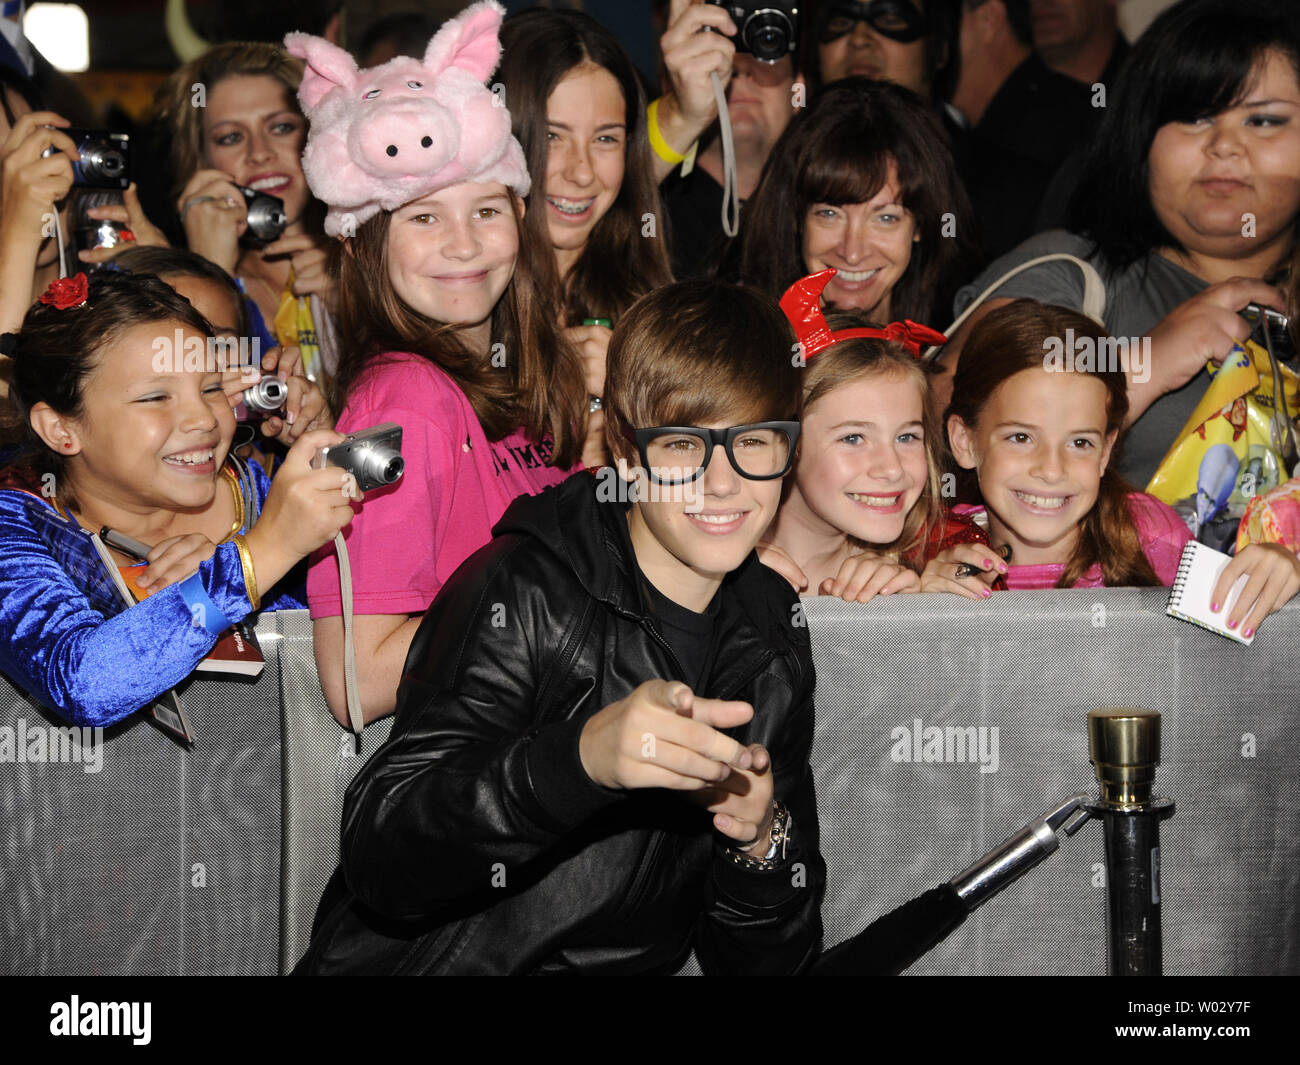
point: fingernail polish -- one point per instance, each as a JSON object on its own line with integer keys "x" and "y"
{"x": 988, "y": 563}
{"x": 987, "y": 592}
{"x": 1214, "y": 608}
{"x": 1232, "y": 624}
{"x": 1248, "y": 633}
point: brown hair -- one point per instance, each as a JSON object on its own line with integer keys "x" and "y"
{"x": 695, "y": 352}
{"x": 57, "y": 350}
{"x": 838, "y": 151}
{"x": 175, "y": 100}
{"x": 540, "y": 388}
{"x": 1013, "y": 338}
{"x": 619, "y": 263}
{"x": 859, "y": 357}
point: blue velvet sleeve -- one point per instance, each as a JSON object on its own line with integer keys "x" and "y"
{"x": 93, "y": 666}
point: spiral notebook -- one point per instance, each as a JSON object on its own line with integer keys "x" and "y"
{"x": 1198, "y": 573}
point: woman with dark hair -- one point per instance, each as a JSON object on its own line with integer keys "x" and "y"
{"x": 579, "y": 114}
{"x": 1188, "y": 206}
{"x": 863, "y": 182}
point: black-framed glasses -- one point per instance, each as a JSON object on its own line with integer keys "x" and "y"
{"x": 679, "y": 454}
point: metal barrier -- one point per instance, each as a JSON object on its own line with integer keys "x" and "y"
{"x": 943, "y": 726}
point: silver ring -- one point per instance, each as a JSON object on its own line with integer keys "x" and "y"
{"x": 594, "y": 404}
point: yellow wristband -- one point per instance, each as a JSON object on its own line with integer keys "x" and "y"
{"x": 250, "y": 575}
{"x": 657, "y": 141}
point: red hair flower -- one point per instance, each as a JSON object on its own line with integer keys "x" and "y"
{"x": 65, "y": 292}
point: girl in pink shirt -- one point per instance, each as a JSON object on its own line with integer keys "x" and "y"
{"x": 445, "y": 331}
{"x": 1039, "y": 432}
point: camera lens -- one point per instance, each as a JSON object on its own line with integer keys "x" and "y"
{"x": 101, "y": 161}
{"x": 767, "y": 35}
{"x": 380, "y": 465}
{"x": 266, "y": 217}
{"x": 267, "y": 395}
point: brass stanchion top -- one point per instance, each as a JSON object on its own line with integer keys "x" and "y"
{"x": 1124, "y": 748}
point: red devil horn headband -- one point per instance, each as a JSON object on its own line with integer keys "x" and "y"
{"x": 802, "y": 305}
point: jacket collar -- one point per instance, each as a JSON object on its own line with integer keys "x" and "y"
{"x": 577, "y": 521}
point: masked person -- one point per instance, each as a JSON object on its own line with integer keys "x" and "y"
{"x": 908, "y": 42}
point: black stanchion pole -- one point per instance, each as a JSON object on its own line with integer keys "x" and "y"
{"x": 1124, "y": 747}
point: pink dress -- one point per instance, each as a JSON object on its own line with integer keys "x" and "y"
{"x": 408, "y": 538}
{"x": 1161, "y": 531}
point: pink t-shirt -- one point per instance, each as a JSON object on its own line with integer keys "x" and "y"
{"x": 408, "y": 538}
{"x": 1161, "y": 532}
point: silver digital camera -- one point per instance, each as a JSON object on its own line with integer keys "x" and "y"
{"x": 373, "y": 456}
{"x": 269, "y": 394}
{"x": 266, "y": 217}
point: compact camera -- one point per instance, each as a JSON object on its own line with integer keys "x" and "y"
{"x": 267, "y": 396}
{"x": 266, "y": 217}
{"x": 90, "y": 233}
{"x": 765, "y": 28}
{"x": 105, "y": 161}
{"x": 373, "y": 456}
{"x": 1275, "y": 324}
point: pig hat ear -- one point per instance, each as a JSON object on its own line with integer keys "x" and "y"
{"x": 469, "y": 42}
{"x": 328, "y": 67}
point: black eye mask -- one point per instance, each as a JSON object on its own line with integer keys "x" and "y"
{"x": 899, "y": 20}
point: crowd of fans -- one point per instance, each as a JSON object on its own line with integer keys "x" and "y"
{"x": 549, "y": 294}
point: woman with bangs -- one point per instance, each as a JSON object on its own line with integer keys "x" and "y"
{"x": 861, "y": 182}
{"x": 1188, "y": 207}
{"x": 248, "y": 132}
{"x": 578, "y": 111}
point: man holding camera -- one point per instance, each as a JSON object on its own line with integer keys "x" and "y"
{"x": 762, "y": 96}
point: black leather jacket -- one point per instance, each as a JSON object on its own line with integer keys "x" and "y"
{"x": 474, "y": 841}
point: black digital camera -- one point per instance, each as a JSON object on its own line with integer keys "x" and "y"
{"x": 105, "y": 161}
{"x": 765, "y": 28}
{"x": 1277, "y": 326}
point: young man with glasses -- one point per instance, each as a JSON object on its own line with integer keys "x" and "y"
{"x": 600, "y": 755}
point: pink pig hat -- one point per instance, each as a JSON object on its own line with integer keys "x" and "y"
{"x": 380, "y": 138}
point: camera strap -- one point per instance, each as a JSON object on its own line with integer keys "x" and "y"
{"x": 352, "y": 690}
{"x": 730, "y": 183}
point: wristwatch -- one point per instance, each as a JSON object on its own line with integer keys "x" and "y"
{"x": 780, "y": 841}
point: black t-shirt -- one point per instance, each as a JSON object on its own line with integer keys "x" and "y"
{"x": 1035, "y": 121}
{"x": 694, "y": 205}
{"x": 690, "y": 635}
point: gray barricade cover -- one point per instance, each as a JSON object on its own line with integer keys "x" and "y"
{"x": 164, "y": 861}
{"x": 213, "y": 860}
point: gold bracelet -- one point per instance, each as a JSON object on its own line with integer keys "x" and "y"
{"x": 250, "y": 575}
{"x": 657, "y": 142}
